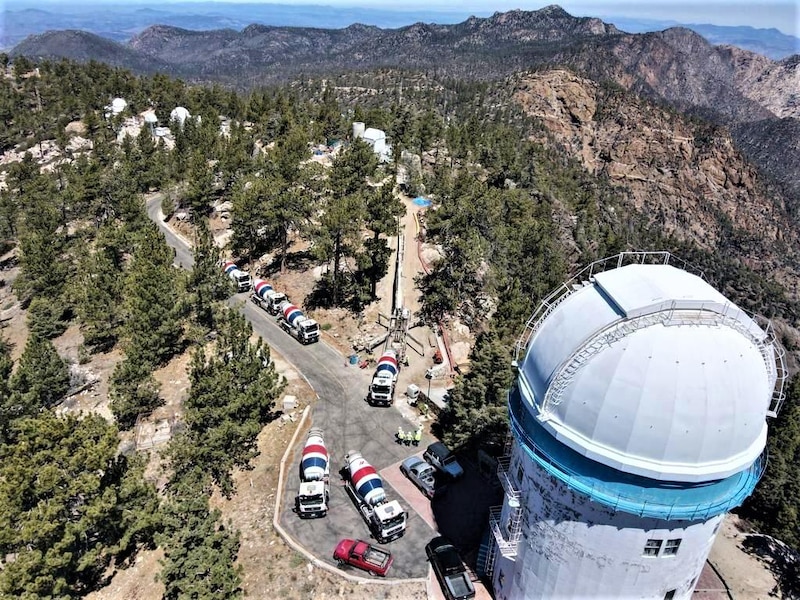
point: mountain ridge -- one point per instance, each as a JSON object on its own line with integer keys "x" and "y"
{"x": 731, "y": 87}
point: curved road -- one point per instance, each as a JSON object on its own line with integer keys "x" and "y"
{"x": 349, "y": 423}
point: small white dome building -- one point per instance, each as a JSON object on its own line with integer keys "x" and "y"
{"x": 639, "y": 419}
{"x": 118, "y": 105}
{"x": 179, "y": 114}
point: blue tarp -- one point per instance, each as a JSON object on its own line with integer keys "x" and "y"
{"x": 420, "y": 201}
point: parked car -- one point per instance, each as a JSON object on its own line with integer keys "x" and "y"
{"x": 363, "y": 555}
{"x": 423, "y": 475}
{"x": 449, "y": 569}
{"x": 443, "y": 459}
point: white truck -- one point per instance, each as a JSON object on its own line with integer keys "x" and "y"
{"x": 266, "y": 298}
{"x": 381, "y": 390}
{"x": 312, "y": 497}
{"x": 295, "y": 323}
{"x": 385, "y": 519}
{"x": 241, "y": 279}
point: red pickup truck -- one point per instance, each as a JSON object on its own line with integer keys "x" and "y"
{"x": 363, "y": 555}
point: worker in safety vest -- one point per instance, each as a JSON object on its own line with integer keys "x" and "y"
{"x": 401, "y": 436}
{"x": 409, "y": 437}
{"x": 418, "y": 435}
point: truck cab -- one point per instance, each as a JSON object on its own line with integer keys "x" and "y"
{"x": 391, "y": 521}
{"x": 242, "y": 281}
{"x": 381, "y": 390}
{"x": 312, "y": 499}
{"x": 309, "y": 331}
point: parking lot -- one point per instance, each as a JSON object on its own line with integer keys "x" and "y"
{"x": 460, "y": 514}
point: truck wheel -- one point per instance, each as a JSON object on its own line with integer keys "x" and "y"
{"x": 340, "y": 562}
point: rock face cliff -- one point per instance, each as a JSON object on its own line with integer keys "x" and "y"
{"x": 687, "y": 179}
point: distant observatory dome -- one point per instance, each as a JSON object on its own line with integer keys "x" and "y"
{"x": 648, "y": 369}
{"x": 150, "y": 118}
{"x": 118, "y": 105}
{"x": 179, "y": 114}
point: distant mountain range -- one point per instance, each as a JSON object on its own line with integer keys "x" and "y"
{"x": 756, "y": 98}
{"x": 120, "y": 22}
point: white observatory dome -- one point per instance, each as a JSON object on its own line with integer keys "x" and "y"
{"x": 150, "y": 117}
{"x": 650, "y": 370}
{"x": 118, "y": 105}
{"x": 179, "y": 114}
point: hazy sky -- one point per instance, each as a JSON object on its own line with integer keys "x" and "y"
{"x": 781, "y": 14}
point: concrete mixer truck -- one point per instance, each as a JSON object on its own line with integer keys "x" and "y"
{"x": 295, "y": 323}
{"x": 241, "y": 279}
{"x": 312, "y": 498}
{"x": 381, "y": 390}
{"x": 266, "y": 298}
{"x": 385, "y": 519}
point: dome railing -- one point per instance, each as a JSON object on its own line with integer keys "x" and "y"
{"x": 670, "y": 313}
{"x": 521, "y": 421}
{"x": 585, "y": 277}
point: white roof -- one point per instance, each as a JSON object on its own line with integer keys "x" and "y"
{"x": 372, "y": 134}
{"x": 179, "y": 114}
{"x": 652, "y": 371}
{"x": 150, "y": 116}
{"x": 118, "y": 105}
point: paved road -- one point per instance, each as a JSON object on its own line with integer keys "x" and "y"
{"x": 183, "y": 255}
{"x": 349, "y": 423}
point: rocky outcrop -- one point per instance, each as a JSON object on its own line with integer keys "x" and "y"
{"x": 773, "y": 85}
{"x": 687, "y": 179}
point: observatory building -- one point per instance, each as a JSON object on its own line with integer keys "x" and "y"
{"x": 638, "y": 419}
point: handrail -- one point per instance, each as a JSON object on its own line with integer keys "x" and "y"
{"x": 587, "y": 274}
{"x": 772, "y": 352}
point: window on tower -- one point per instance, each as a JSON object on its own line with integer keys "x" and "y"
{"x": 671, "y": 547}
{"x": 652, "y": 547}
{"x": 670, "y": 595}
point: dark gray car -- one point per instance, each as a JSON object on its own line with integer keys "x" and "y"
{"x": 443, "y": 459}
{"x": 449, "y": 569}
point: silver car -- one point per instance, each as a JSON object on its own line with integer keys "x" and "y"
{"x": 421, "y": 474}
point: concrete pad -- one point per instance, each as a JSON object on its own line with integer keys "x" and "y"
{"x": 415, "y": 499}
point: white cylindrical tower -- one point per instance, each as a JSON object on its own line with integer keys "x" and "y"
{"x": 638, "y": 420}
{"x": 358, "y": 129}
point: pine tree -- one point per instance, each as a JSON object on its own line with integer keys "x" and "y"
{"x": 382, "y": 211}
{"x": 153, "y": 325}
{"x": 133, "y": 391}
{"x": 207, "y": 284}
{"x": 69, "y": 505}
{"x": 42, "y": 376}
{"x": 250, "y": 214}
{"x": 199, "y": 551}
{"x": 47, "y": 317}
{"x": 41, "y": 241}
{"x": 337, "y": 235}
{"x": 98, "y": 294}
{"x": 10, "y": 405}
{"x": 200, "y": 190}
{"x": 476, "y": 412}
{"x": 232, "y": 396}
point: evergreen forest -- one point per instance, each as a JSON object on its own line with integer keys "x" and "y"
{"x": 74, "y": 504}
